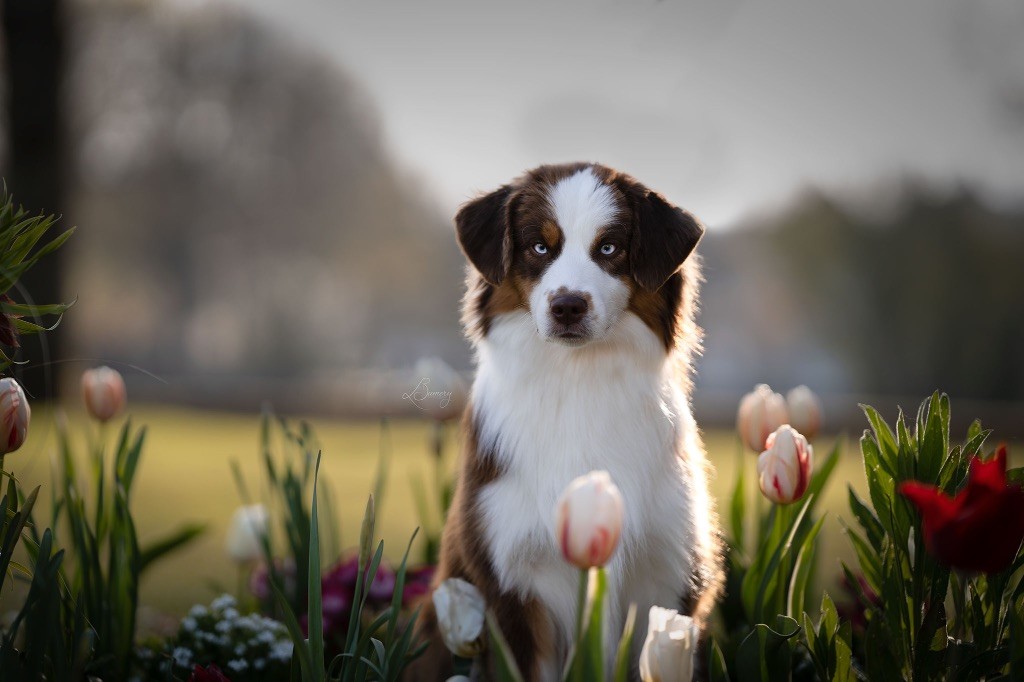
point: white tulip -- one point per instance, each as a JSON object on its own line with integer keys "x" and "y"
{"x": 104, "y": 393}
{"x": 15, "y": 415}
{"x": 245, "y": 535}
{"x": 669, "y": 650}
{"x": 460, "y": 615}
{"x": 784, "y": 468}
{"x": 761, "y": 412}
{"x": 804, "y": 411}
{"x": 588, "y": 520}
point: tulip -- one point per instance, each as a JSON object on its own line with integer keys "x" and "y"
{"x": 15, "y": 415}
{"x": 103, "y": 392}
{"x": 246, "y": 533}
{"x": 804, "y": 411}
{"x": 981, "y": 528}
{"x": 761, "y": 412}
{"x": 589, "y": 520}
{"x": 784, "y": 468}
{"x": 669, "y": 650}
{"x": 460, "y": 615}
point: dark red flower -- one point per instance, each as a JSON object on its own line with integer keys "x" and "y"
{"x": 417, "y": 584}
{"x": 979, "y": 530}
{"x": 8, "y": 334}
{"x": 210, "y": 673}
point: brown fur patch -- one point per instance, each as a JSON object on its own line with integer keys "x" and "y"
{"x": 464, "y": 554}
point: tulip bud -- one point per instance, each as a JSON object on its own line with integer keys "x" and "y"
{"x": 103, "y": 392}
{"x": 246, "y": 533}
{"x": 784, "y": 468}
{"x": 588, "y": 520}
{"x": 669, "y": 650}
{"x": 460, "y": 615}
{"x": 761, "y": 412}
{"x": 15, "y": 414}
{"x": 804, "y": 411}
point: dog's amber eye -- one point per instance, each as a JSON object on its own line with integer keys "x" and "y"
{"x": 608, "y": 249}
{"x": 540, "y": 248}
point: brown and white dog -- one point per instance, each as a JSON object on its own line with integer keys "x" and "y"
{"x": 580, "y": 304}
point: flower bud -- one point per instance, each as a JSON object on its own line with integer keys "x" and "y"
{"x": 103, "y": 392}
{"x": 669, "y": 650}
{"x": 246, "y": 533}
{"x": 588, "y": 520}
{"x": 15, "y": 414}
{"x": 761, "y": 412}
{"x": 784, "y": 468}
{"x": 460, "y": 615}
{"x": 804, "y": 411}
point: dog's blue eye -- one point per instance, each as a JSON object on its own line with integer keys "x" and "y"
{"x": 608, "y": 249}
{"x": 540, "y": 249}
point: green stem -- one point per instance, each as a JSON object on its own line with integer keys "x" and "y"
{"x": 581, "y": 606}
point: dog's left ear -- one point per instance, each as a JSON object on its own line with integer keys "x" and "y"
{"x": 663, "y": 236}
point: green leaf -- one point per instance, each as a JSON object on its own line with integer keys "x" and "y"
{"x": 868, "y": 521}
{"x": 717, "y": 670}
{"x": 622, "y": 654}
{"x": 301, "y": 648}
{"x": 738, "y": 506}
{"x": 507, "y": 670}
{"x": 166, "y": 545}
{"x": 315, "y": 609}
{"x": 802, "y": 571}
{"x": 765, "y": 654}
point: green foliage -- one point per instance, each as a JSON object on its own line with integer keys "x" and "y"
{"x": 108, "y": 562}
{"x": 910, "y": 634}
{"x": 289, "y": 466}
{"x": 20, "y": 235}
{"x": 378, "y": 651}
{"x": 57, "y": 642}
{"x": 830, "y": 644}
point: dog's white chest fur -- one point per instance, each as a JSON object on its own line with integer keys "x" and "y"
{"x": 550, "y": 413}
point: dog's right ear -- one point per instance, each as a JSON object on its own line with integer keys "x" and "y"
{"x": 485, "y": 233}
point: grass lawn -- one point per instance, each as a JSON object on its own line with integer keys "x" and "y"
{"x": 185, "y": 476}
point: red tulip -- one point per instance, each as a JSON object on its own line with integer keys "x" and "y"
{"x": 979, "y": 530}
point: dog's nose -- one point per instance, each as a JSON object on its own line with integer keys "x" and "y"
{"x": 568, "y": 308}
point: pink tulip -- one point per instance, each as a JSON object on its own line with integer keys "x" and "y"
{"x": 784, "y": 468}
{"x": 761, "y": 412}
{"x": 15, "y": 414}
{"x": 104, "y": 393}
{"x": 804, "y": 411}
{"x": 589, "y": 520}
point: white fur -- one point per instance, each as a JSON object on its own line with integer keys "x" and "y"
{"x": 552, "y": 413}
{"x": 582, "y": 205}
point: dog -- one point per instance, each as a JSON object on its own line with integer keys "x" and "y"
{"x": 580, "y": 301}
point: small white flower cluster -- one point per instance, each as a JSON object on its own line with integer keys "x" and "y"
{"x": 246, "y": 647}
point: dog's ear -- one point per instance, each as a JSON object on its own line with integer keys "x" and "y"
{"x": 663, "y": 235}
{"x": 485, "y": 233}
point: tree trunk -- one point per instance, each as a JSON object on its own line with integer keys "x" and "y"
{"x": 33, "y": 32}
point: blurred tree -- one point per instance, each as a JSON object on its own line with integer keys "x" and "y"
{"x": 925, "y": 296}
{"x": 34, "y": 53}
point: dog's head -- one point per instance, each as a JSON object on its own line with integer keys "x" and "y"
{"x": 576, "y": 245}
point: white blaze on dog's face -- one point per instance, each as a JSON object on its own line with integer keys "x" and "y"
{"x": 578, "y": 297}
{"x": 577, "y": 246}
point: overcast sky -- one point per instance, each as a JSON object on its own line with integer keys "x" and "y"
{"x": 727, "y": 107}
